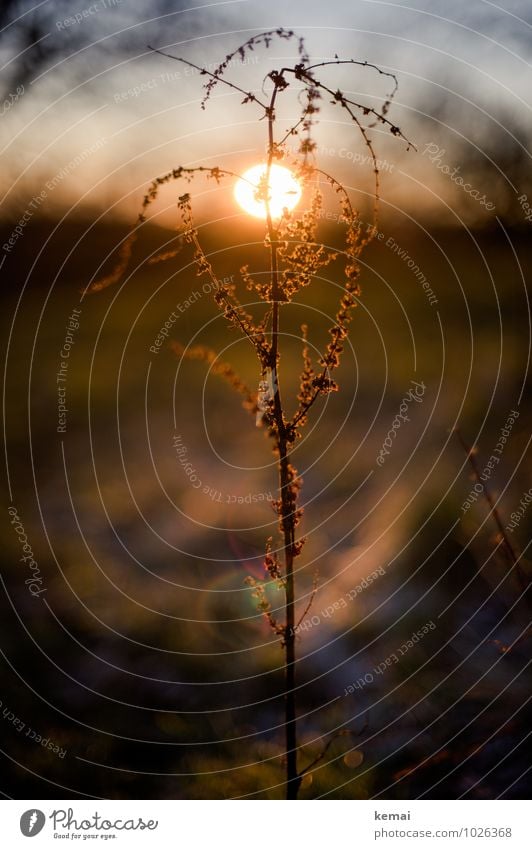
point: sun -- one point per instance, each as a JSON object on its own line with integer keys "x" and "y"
{"x": 284, "y": 191}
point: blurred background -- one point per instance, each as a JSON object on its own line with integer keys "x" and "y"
{"x": 137, "y": 489}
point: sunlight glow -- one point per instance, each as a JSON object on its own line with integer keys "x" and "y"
{"x": 284, "y": 191}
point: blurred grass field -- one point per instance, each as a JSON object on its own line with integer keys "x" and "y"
{"x": 148, "y": 634}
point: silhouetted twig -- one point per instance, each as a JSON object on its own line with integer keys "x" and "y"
{"x": 494, "y": 511}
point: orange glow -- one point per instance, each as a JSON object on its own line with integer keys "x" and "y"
{"x": 284, "y": 191}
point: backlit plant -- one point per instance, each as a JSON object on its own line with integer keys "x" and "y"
{"x": 296, "y": 257}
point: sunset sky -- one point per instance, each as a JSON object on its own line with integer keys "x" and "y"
{"x": 101, "y": 115}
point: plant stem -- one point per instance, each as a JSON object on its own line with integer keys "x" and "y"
{"x": 293, "y": 779}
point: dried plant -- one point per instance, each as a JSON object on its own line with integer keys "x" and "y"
{"x": 296, "y": 257}
{"x": 502, "y": 535}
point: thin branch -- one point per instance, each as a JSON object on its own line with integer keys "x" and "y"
{"x": 203, "y": 71}
{"x": 311, "y": 599}
{"x": 300, "y": 72}
{"x": 225, "y": 299}
{"x": 494, "y": 511}
{"x": 124, "y": 254}
{"x": 219, "y": 367}
{"x": 344, "y": 733}
{"x": 362, "y": 64}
